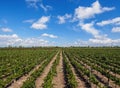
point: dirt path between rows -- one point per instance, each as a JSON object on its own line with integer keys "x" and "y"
{"x": 92, "y": 71}
{"x": 19, "y": 82}
{"x": 40, "y": 80}
{"x": 58, "y": 80}
{"x": 81, "y": 84}
{"x": 102, "y": 79}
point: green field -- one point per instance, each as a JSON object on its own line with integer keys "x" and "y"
{"x": 94, "y": 67}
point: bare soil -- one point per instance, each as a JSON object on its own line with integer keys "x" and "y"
{"x": 18, "y": 83}
{"x": 117, "y": 75}
{"x": 58, "y": 80}
{"x": 81, "y": 83}
{"x": 102, "y": 79}
{"x": 40, "y": 80}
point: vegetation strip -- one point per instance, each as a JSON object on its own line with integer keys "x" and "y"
{"x": 85, "y": 72}
{"x": 16, "y": 62}
{"x": 58, "y": 80}
{"x": 37, "y": 67}
{"x": 101, "y": 77}
{"x": 40, "y": 79}
{"x": 30, "y": 83}
{"x": 48, "y": 79}
{"x": 106, "y": 73}
{"x": 90, "y": 57}
{"x": 69, "y": 76}
{"x": 80, "y": 82}
{"x": 19, "y": 82}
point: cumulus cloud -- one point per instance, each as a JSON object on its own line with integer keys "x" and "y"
{"x": 89, "y": 27}
{"x": 6, "y": 40}
{"x": 103, "y": 41}
{"x": 116, "y": 29}
{"x": 34, "y": 42}
{"x": 80, "y": 43}
{"x": 115, "y": 21}
{"x": 15, "y": 40}
{"x": 33, "y": 3}
{"x": 82, "y": 12}
{"x": 62, "y": 19}
{"x": 5, "y": 29}
{"x": 38, "y": 4}
{"x": 29, "y": 21}
{"x": 41, "y": 23}
{"x": 45, "y": 7}
{"x": 49, "y": 35}
{"x": 98, "y": 39}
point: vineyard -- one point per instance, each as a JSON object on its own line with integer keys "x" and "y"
{"x": 53, "y": 67}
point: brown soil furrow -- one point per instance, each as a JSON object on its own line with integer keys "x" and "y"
{"x": 20, "y": 81}
{"x": 94, "y": 72}
{"x": 58, "y": 80}
{"x": 40, "y": 80}
{"x": 115, "y": 74}
{"x": 102, "y": 79}
{"x": 81, "y": 84}
{"x": 110, "y": 72}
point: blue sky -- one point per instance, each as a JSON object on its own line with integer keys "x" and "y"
{"x": 59, "y": 23}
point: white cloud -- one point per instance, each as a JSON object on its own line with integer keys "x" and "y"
{"x": 98, "y": 40}
{"x": 115, "y": 21}
{"x": 82, "y": 13}
{"x": 15, "y": 40}
{"x": 29, "y": 21}
{"x": 38, "y": 4}
{"x": 45, "y": 8}
{"x": 103, "y": 41}
{"x": 101, "y": 36}
{"x": 41, "y": 23}
{"x": 34, "y": 42}
{"x": 49, "y": 35}
{"x": 116, "y": 29}
{"x": 89, "y": 27}
{"x": 33, "y": 3}
{"x": 6, "y": 29}
{"x": 6, "y": 40}
{"x": 80, "y": 43}
{"x": 62, "y": 19}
